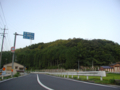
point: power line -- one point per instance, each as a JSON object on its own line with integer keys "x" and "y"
{"x": 8, "y": 45}
{"x": 9, "y": 39}
{"x": 6, "y": 25}
{"x": 5, "y": 45}
{"x": 1, "y": 24}
{"x": 3, "y": 13}
{"x": 2, "y": 19}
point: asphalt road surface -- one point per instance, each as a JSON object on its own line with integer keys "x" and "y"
{"x": 46, "y": 82}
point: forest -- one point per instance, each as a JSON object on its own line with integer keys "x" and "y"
{"x": 66, "y": 54}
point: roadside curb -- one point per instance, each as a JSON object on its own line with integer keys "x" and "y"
{"x": 12, "y": 78}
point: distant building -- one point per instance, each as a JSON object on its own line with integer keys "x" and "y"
{"x": 17, "y": 68}
{"x": 115, "y": 67}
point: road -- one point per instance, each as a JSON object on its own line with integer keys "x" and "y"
{"x": 46, "y": 82}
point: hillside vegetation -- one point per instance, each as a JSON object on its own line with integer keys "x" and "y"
{"x": 66, "y": 53}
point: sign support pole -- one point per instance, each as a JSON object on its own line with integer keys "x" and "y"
{"x": 30, "y": 42}
{"x": 13, "y": 53}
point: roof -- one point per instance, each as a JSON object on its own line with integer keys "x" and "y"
{"x": 14, "y": 63}
{"x": 106, "y": 67}
{"x": 113, "y": 64}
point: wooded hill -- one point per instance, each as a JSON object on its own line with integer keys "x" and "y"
{"x": 66, "y": 53}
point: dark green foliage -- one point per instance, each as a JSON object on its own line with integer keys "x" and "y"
{"x": 17, "y": 74}
{"x": 6, "y": 57}
{"x": 66, "y": 53}
{"x": 112, "y": 81}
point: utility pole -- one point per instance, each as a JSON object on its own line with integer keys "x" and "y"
{"x": 78, "y": 65}
{"x": 2, "y": 46}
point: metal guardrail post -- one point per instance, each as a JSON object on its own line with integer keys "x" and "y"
{"x": 101, "y": 78}
{"x": 67, "y": 75}
{"x": 87, "y": 77}
{"x": 78, "y": 76}
{"x": 2, "y": 77}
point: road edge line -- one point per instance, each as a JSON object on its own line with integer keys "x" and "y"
{"x": 43, "y": 84}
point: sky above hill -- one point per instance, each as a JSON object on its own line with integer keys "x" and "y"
{"x": 51, "y": 20}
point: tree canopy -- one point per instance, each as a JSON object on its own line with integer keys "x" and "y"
{"x": 66, "y": 53}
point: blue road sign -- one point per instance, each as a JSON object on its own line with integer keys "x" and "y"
{"x": 28, "y": 35}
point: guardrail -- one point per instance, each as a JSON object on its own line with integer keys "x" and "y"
{"x": 40, "y": 72}
{"x": 5, "y": 75}
{"x": 86, "y": 73}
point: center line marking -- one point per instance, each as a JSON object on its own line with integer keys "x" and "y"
{"x": 43, "y": 84}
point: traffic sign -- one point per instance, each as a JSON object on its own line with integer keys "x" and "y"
{"x": 12, "y": 49}
{"x": 3, "y": 68}
{"x": 11, "y": 70}
{"x": 28, "y": 35}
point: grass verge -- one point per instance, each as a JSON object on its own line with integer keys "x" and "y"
{"x": 110, "y": 79}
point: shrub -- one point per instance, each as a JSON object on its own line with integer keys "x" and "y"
{"x": 17, "y": 74}
{"x": 112, "y": 81}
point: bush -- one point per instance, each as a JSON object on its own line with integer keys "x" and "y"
{"x": 117, "y": 82}
{"x": 17, "y": 74}
{"x": 112, "y": 81}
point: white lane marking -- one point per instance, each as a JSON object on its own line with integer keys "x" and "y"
{"x": 43, "y": 84}
{"x": 86, "y": 82}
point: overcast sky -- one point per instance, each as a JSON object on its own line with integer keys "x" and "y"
{"x": 51, "y": 20}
